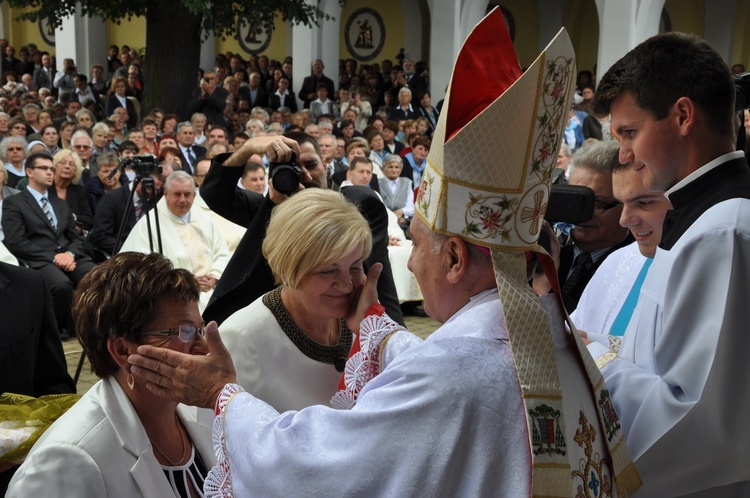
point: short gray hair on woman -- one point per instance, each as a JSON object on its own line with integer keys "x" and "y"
{"x": 596, "y": 156}
{"x": 86, "y": 111}
{"x": 257, "y": 122}
{"x": 62, "y": 154}
{"x": 9, "y": 140}
{"x": 100, "y": 126}
{"x": 393, "y": 158}
{"x": 259, "y": 111}
{"x": 327, "y": 228}
{"x": 178, "y": 176}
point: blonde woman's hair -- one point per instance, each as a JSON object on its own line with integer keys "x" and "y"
{"x": 312, "y": 230}
{"x": 63, "y": 153}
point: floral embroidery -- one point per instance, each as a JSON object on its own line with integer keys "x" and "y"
{"x": 593, "y": 474}
{"x": 554, "y": 111}
{"x": 424, "y": 194}
{"x": 489, "y": 216}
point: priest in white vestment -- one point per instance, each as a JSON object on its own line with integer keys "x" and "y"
{"x": 498, "y": 401}
{"x": 677, "y": 378}
{"x": 190, "y": 238}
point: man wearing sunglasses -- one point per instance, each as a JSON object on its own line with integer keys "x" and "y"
{"x": 598, "y": 237}
{"x": 40, "y": 229}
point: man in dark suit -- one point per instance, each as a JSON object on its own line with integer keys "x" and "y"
{"x": 32, "y": 361}
{"x": 247, "y": 275}
{"x": 254, "y": 93}
{"x": 110, "y": 213}
{"x": 210, "y": 99}
{"x": 598, "y": 237}
{"x": 309, "y": 90}
{"x": 190, "y": 153}
{"x": 404, "y": 109}
{"x": 41, "y": 230}
{"x": 44, "y": 76}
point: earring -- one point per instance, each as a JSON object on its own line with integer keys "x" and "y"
{"x": 131, "y": 381}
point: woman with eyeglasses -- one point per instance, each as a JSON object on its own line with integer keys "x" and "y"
{"x": 13, "y": 154}
{"x": 120, "y": 439}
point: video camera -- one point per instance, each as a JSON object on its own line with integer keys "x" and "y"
{"x": 143, "y": 166}
{"x": 285, "y": 176}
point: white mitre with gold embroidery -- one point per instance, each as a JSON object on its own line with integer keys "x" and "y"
{"x": 487, "y": 180}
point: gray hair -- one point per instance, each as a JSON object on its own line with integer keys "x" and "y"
{"x": 180, "y": 126}
{"x": 198, "y": 115}
{"x": 178, "y": 176}
{"x": 259, "y": 111}
{"x": 107, "y": 158}
{"x": 12, "y": 139}
{"x": 100, "y": 126}
{"x": 393, "y": 158}
{"x": 404, "y": 90}
{"x": 86, "y": 111}
{"x": 79, "y": 134}
{"x": 256, "y": 122}
{"x": 596, "y": 156}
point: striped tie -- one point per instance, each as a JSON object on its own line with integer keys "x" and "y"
{"x": 48, "y": 211}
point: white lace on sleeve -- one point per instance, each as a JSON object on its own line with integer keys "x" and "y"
{"x": 364, "y": 365}
{"x": 218, "y": 483}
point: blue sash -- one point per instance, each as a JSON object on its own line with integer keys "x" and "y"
{"x": 623, "y": 317}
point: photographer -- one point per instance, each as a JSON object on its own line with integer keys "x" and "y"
{"x": 247, "y": 276}
{"x": 65, "y": 79}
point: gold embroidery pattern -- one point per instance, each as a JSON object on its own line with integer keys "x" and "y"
{"x": 615, "y": 342}
{"x": 594, "y": 475}
{"x": 605, "y": 359}
{"x": 488, "y": 216}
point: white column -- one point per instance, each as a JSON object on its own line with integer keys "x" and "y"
{"x": 720, "y": 26}
{"x": 83, "y": 39}
{"x": 302, "y": 43}
{"x": 328, "y": 34}
{"x": 445, "y": 41}
{"x": 208, "y": 53}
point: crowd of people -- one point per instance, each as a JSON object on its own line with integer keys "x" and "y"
{"x": 94, "y": 184}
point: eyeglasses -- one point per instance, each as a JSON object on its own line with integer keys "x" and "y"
{"x": 82, "y": 147}
{"x": 45, "y": 168}
{"x": 185, "y": 332}
{"x": 601, "y": 207}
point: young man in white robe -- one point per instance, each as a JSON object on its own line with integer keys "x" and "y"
{"x": 608, "y": 301}
{"x": 190, "y": 238}
{"x": 676, "y": 379}
{"x": 460, "y": 414}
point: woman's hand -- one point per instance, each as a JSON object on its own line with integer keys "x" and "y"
{"x": 363, "y": 297}
{"x": 194, "y": 380}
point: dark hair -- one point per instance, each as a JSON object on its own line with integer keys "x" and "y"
{"x": 303, "y": 138}
{"x": 667, "y": 67}
{"x": 250, "y": 167}
{"x": 373, "y": 134}
{"x": 391, "y": 125}
{"x": 127, "y": 145}
{"x": 357, "y": 160}
{"x": 321, "y": 85}
{"x": 33, "y": 158}
{"x": 118, "y": 298}
{"x": 423, "y": 141}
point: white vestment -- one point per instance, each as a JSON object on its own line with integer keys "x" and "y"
{"x": 232, "y": 232}
{"x": 270, "y": 366}
{"x": 197, "y": 246}
{"x": 604, "y": 295}
{"x": 444, "y": 418}
{"x": 677, "y": 384}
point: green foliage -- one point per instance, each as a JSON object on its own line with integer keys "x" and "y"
{"x": 219, "y": 17}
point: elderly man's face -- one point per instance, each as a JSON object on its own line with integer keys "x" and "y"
{"x": 180, "y": 197}
{"x": 255, "y": 181}
{"x": 404, "y": 98}
{"x": 427, "y": 267}
{"x": 83, "y": 148}
{"x": 201, "y": 170}
{"x": 603, "y": 230}
{"x": 186, "y": 136}
{"x": 327, "y": 148}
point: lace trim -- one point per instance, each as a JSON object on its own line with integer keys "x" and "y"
{"x": 364, "y": 365}
{"x": 310, "y": 348}
{"x": 605, "y": 359}
{"x": 218, "y": 483}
